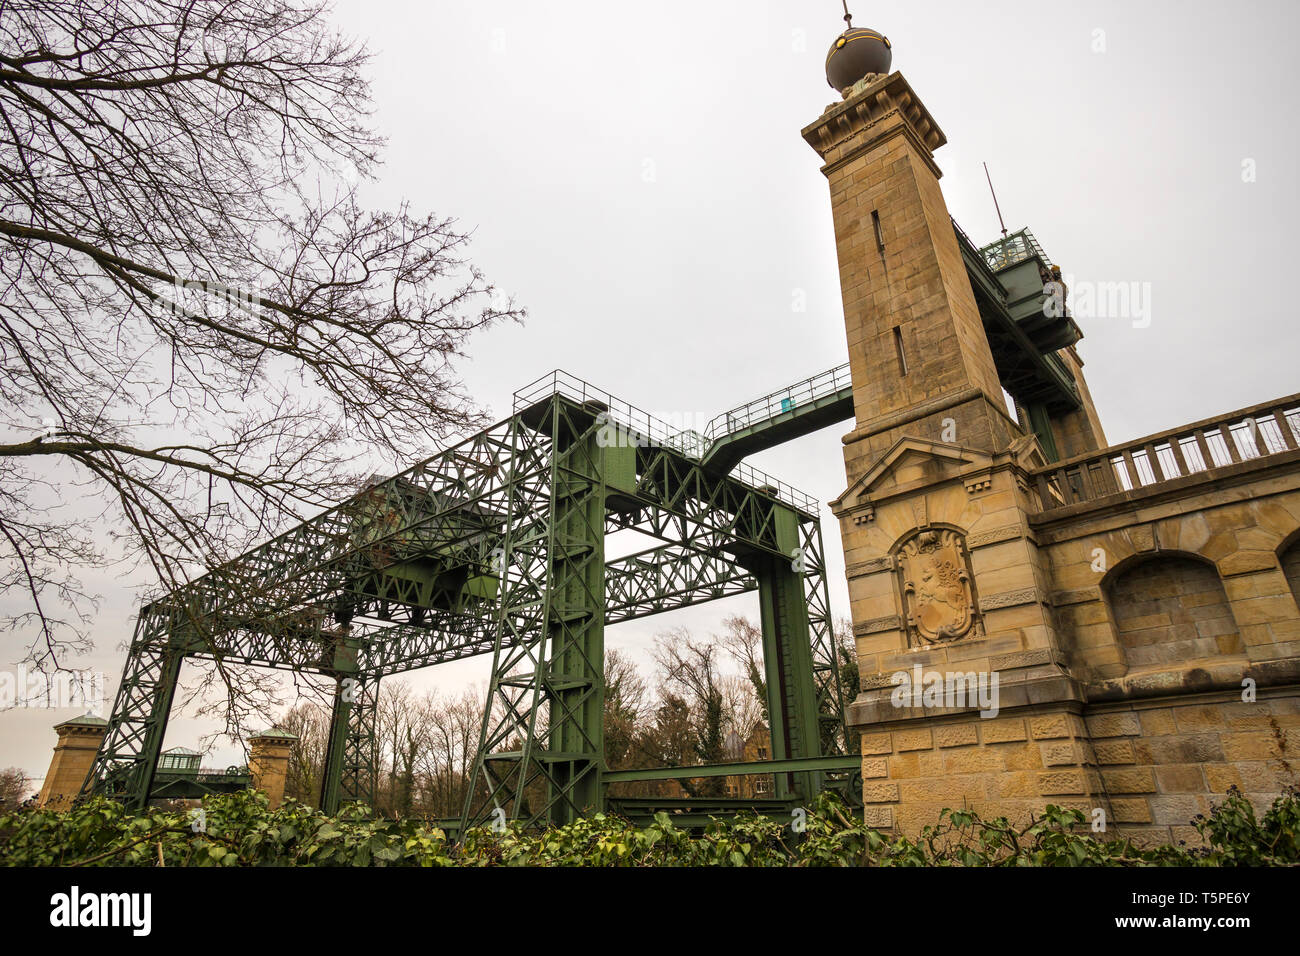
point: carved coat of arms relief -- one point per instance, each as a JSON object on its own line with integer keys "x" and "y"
{"x": 935, "y": 577}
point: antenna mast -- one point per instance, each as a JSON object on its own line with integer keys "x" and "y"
{"x": 848, "y": 17}
{"x": 995, "y": 199}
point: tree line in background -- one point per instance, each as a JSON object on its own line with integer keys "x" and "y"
{"x": 15, "y": 788}
{"x": 704, "y": 703}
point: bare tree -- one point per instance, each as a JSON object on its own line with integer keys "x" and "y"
{"x": 15, "y": 787}
{"x": 743, "y": 640}
{"x": 310, "y": 722}
{"x": 744, "y": 713}
{"x": 846, "y": 656}
{"x": 625, "y": 709}
{"x": 846, "y": 660}
{"x": 689, "y": 672}
{"x": 203, "y": 332}
{"x": 403, "y": 730}
{"x": 668, "y": 740}
{"x": 446, "y": 766}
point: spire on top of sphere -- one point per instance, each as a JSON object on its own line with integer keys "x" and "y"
{"x": 855, "y": 54}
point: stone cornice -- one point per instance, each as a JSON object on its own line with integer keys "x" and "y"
{"x": 878, "y": 626}
{"x": 860, "y": 504}
{"x": 862, "y": 121}
{"x": 1076, "y": 596}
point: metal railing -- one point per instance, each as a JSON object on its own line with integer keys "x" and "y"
{"x": 974, "y": 254}
{"x": 778, "y": 403}
{"x": 1201, "y": 448}
{"x": 641, "y": 424}
{"x": 1013, "y": 249}
{"x": 643, "y": 427}
{"x": 983, "y": 260}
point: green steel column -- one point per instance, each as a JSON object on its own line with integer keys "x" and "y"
{"x": 156, "y": 727}
{"x": 127, "y": 760}
{"x": 1041, "y": 423}
{"x": 787, "y": 659}
{"x": 576, "y": 619}
{"x": 505, "y": 763}
{"x": 332, "y": 773}
{"x": 347, "y": 691}
{"x": 542, "y": 740}
{"x": 360, "y": 767}
{"x": 825, "y": 655}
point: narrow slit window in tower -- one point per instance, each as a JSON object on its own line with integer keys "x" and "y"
{"x": 898, "y": 347}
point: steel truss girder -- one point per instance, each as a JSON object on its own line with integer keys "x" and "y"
{"x": 653, "y": 581}
{"x": 276, "y": 605}
{"x": 445, "y": 512}
{"x": 742, "y": 516}
{"x": 672, "y": 577}
{"x": 649, "y": 582}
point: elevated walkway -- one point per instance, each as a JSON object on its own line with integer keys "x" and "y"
{"x": 784, "y": 415}
{"x": 791, "y": 412}
{"x": 1023, "y": 338}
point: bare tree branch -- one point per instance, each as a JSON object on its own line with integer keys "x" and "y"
{"x": 203, "y": 334}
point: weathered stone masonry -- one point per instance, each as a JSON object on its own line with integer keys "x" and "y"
{"x": 1130, "y": 599}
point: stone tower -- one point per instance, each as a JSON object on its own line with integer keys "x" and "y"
{"x": 74, "y": 753}
{"x": 268, "y": 762}
{"x": 997, "y": 673}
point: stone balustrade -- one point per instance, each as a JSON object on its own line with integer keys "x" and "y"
{"x": 1204, "y": 451}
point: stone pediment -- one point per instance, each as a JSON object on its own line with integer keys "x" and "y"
{"x": 1026, "y": 452}
{"x": 914, "y": 463}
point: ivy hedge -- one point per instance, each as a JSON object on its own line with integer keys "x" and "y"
{"x": 241, "y": 830}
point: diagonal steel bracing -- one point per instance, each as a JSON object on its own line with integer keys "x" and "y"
{"x": 497, "y": 546}
{"x": 672, "y": 577}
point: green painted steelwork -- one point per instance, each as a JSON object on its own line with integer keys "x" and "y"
{"x": 1024, "y": 270}
{"x": 179, "y": 760}
{"x": 350, "y": 766}
{"x": 496, "y": 545}
{"x": 1028, "y": 369}
{"x": 779, "y": 417}
{"x": 193, "y": 783}
{"x": 1041, "y": 424}
{"x": 796, "y": 765}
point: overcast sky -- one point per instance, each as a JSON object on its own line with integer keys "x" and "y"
{"x": 635, "y": 177}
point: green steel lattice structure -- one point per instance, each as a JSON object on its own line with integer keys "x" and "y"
{"x": 497, "y": 546}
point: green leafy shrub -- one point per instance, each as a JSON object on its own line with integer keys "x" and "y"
{"x": 241, "y": 830}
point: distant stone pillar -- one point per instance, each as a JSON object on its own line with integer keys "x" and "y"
{"x": 74, "y": 755}
{"x": 268, "y": 762}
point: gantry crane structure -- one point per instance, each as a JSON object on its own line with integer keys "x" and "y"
{"x": 498, "y": 546}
